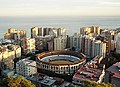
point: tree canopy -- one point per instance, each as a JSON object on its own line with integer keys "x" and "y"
{"x": 93, "y": 84}
{"x": 15, "y": 82}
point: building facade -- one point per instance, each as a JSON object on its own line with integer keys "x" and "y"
{"x": 15, "y": 34}
{"x": 98, "y": 48}
{"x": 75, "y": 41}
{"x": 60, "y": 43}
{"x": 44, "y": 42}
{"x": 112, "y": 74}
{"x": 34, "y": 32}
{"x": 95, "y": 30}
{"x": 26, "y": 67}
{"x": 90, "y": 72}
{"x": 118, "y": 45}
{"x": 28, "y": 45}
{"x": 90, "y": 46}
{"x": 8, "y": 53}
{"x": 56, "y": 32}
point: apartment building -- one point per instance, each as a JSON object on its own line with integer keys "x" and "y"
{"x": 15, "y": 34}
{"x": 59, "y": 43}
{"x": 44, "y": 42}
{"x": 95, "y": 30}
{"x": 28, "y": 45}
{"x": 98, "y": 48}
{"x": 113, "y": 74}
{"x": 8, "y": 53}
{"x": 56, "y": 32}
{"x": 90, "y": 72}
{"x": 26, "y": 67}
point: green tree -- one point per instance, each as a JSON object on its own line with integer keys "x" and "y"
{"x": 15, "y": 82}
{"x": 95, "y": 84}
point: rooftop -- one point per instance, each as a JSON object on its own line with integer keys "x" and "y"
{"x": 90, "y": 71}
{"x": 26, "y": 61}
{"x": 115, "y": 70}
{"x": 8, "y": 47}
{"x": 48, "y": 82}
{"x": 86, "y": 73}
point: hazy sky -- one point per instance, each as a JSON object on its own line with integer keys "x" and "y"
{"x": 59, "y": 7}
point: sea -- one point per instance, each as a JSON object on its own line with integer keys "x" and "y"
{"x": 71, "y": 23}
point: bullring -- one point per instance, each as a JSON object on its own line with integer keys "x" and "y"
{"x": 61, "y": 61}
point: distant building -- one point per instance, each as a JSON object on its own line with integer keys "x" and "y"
{"x": 87, "y": 46}
{"x": 28, "y": 45}
{"x": 15, "y": 34}
{"x": 44, "y": 42}
{"x": 98, "y": 48}
{"x": 105, "y": 33}
{"x": 113, "y": 74}
{"x": 68, "y": 42}
{"x": 57, "y": 32}
{"x": 90, "y": 72}
{"x": 90, "y": 46}
{"x": 113, "y": 45}
{"x": 113, "y": 33}
{"x": 35, "y": 31}
{"x": 26, "y": 67}
{"x": 117, "y": 36}
{"x": 59, "y": 43}
{"x": 90, "y": 30}
{"x": 106, "y": 40}
{"x": 108, "y": 45}
{"x": 75, "y": 41}
{"x": 118, "y": 45}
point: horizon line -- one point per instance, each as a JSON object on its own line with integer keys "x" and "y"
{"x": 63, "y": 16}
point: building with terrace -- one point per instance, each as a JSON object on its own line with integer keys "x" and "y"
{"x": 61, "y": 61}
{"x": 112, "y": 74}
{"x": 90, "y": 71}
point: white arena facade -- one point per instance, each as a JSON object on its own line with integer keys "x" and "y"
{"x": 61, "y": 61}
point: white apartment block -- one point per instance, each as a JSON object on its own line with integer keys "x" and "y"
{"x": 74, "y": 40}
{"x": 88, "y": 46}
{"x": 98, "y": 48}
{"x": 59, "y": 43}
{"x": 26, "y": 67}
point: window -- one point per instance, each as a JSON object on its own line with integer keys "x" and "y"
{"x": 51, "y": 67}
{"x": 56, "y": 68}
